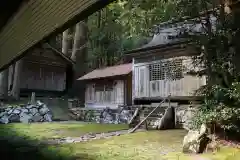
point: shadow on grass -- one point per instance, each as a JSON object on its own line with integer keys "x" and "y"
{"x": 15, "y": 146}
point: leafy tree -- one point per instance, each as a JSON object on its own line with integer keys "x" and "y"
{"x": 219, "y": 48}
{"x": 124, "y": 25}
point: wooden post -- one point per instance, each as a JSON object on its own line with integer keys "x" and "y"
{"x": 134, "y": 116}
{"x": 33, "y": 98}
{"x": 70, "y": 103}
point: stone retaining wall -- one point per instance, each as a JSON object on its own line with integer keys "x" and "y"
{"x": 184, "y": 114}
{"x": 25, "y": 113}
{"x": 115, "y": 116}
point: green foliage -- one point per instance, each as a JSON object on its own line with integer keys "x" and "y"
{"x": 124, "y": 25}
{"x": 221, "y": 107}
{"x": 219, "y": 48}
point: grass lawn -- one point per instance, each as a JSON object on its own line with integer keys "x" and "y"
{"x": 149, "y": 145}
{"x": 41, "y": 131}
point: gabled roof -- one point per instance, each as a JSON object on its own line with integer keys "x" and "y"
{"x": 118, "y": 70}
{"x": 59, "y": 53}
{"x": 152, "y": 46}
{"x": 172, "y": 33}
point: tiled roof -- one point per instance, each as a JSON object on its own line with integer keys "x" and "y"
{"x": 112, "y": 71}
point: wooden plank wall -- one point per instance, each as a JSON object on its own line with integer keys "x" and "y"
{"x": 141, "y": 81}
{"x": 96, "y": 98}
{"x": 43, "y": 77}
{"x": 43, "y": 70}
{"x": 44, "y": 56}
{"x": 185, "y": 86}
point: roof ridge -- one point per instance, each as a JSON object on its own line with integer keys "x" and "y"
{"x": 110, "y": 71}
{"x": 112, "y": 66}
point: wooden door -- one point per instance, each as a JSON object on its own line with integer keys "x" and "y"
{"x": 141, "y": 76}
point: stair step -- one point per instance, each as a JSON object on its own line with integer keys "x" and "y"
{"x": 173, "y": 104}
{"x": 160, "y": 111}
{"x": 157, "y": 110}
{"x": 153, "y": 114}
{"x": 152, "y": 117}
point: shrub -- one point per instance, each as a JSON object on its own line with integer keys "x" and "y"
{"x": 221, "y": 108}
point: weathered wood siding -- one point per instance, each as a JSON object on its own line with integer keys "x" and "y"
{"x": 141, "y": 81}
{"x": 45, "y": 57}
{"x": 43, "y": 70}
{"x": 101, "y": 99}
{"x": 43, "y": 77}
{"x": 183, "y": 85}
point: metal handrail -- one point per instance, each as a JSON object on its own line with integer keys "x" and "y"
{"x": 136, "y": 127}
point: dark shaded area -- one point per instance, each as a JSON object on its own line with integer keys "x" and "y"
{"x": 169, "y": 122}
{"x": 179, "y": 100}
{"x": 69, "y": 80}
{"x": 228, "y": 135}
{"x": 203, "y": 143}
{"x": 17, "y": 147}
{"x": 41, "y": 93}
{"x": 7, "y": 9}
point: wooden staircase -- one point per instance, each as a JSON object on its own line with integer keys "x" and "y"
{"x": 136, "y": 116}
{"x": 153, "y": 116}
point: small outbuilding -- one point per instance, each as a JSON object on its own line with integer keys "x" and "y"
{"x": 108, "y": 87}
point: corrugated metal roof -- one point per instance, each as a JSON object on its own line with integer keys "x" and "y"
{"x": 112, "y": 71}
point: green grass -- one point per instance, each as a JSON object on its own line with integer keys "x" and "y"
{"x": 41, "y": 131}
{"x": 149, "y": 145}
{"x": 137, "y": 146}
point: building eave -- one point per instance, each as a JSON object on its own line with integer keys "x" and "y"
{"x": 37, "y": 20}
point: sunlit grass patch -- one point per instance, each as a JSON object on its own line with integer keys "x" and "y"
{"x": 147, "y": 145}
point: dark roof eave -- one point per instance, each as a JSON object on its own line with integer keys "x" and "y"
{"x": 7, "y": 10}
{"x": 161, "y": 46}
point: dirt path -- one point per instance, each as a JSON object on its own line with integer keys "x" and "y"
{"x": 88, "y": 137}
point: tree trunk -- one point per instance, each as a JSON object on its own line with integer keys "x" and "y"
{"x": 79, "y": 55}
{"x": 4, "y": 84}
{"x": 11, "y": 72}
{"x": 65, "y": 42}
{"x": 80, "y": 40}
{"x": 76, "y": 42}
{"x": 15, "y": 93}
